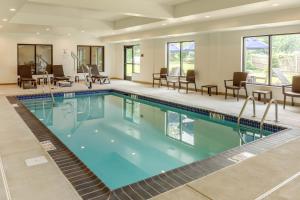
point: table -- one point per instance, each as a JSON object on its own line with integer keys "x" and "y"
{"x": 76, "y": 79}
{"x": 39, "y": 79}
{"x": 264, "y": 93}
{"x": 209, "y": 88}
{"x": 173, "y": 80}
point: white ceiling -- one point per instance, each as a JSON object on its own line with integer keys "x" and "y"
{"x": 108, "y": 18}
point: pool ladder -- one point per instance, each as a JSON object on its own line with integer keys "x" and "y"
{"x": 50, "y": 89}
{"x": 261, "y": 126}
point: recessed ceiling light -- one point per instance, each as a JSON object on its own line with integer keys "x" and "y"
{"x": 164, "y": 24}
{"x": 12, "y": 9}
{"x": 207, "y": 16}
{"x": 5, "y": 20}
{"x": 275, "y": 4}
{"x": 47, "y": 29}
{"x": 133, "y": 153}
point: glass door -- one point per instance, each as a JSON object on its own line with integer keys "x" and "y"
{"x": 128, "y": 62}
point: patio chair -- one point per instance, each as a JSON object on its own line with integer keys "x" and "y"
{"x": 162, "y": 75}
{"x": 239, "y": 82}
{"x": 189, "y": 78}
{"x": 58, "y": 74}
{"x": 295, "y": 90}
{"x": 96, "y": 76}
{"x": 25, "y": 74}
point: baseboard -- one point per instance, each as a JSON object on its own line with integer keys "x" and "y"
{"x": 8, "y": 83}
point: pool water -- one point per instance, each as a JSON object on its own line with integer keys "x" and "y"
{"x": 122, "y": 140}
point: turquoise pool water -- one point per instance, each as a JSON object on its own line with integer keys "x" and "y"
{"x": 123, "y": 140}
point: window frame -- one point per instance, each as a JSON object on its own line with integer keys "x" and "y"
{"x": 270, "y": 50}
{"x": 90, "y": 59}
{"x": 35, "y": 60}
{"x": 180, "y": 57}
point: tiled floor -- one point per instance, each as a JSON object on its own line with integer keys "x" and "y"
{"x": 17, "y": 143}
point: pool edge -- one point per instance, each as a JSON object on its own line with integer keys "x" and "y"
{"x": 158, "y": 184}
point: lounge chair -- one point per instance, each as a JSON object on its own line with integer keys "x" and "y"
{"x": 162, "y": 75}
{"x": 58, "y": 74}
{"x": 189, "y": 78}
{"x": 25, "y": 74}
{"x": 239, "y": 82}
{"x": 96, "y": 76}
{"x": 295, "y": 90}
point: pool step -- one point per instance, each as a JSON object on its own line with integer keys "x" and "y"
{"x": 39, "y": 105}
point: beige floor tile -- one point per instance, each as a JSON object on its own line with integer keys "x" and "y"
{"x": 37, "y": 182}
{"x": 24, "y": 143}
{"x": 181, "y": 193}
{"x": 251, "y": 178}
{"x": 290, "y": 191}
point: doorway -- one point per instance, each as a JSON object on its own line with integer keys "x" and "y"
{"x": 128, "y": 62}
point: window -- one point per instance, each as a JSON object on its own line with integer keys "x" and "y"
{"x": 38, "y": 56}
{"x": 181, "y": 57}
{"x": 180, "y": 127}
{"x": 136, "y": 59}
{"x": 90, "y": 55}
{"x": 272, "y": 59}
{"x": 131, "y": 110}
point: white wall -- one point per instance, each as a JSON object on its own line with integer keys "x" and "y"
{"x": 62, "y": 47}
{"x": 218, "y": 55}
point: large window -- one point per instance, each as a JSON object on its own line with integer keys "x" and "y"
{"x": 38, "y": 56}
{"x": 272, "y": 59}
{"x": 90, "y": 55}
{"x": 181, "y": 57}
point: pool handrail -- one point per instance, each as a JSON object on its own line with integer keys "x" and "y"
{"x": 244, "y": 107}
{"x": 267, "y": 111}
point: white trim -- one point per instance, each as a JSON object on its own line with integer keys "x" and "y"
{"x": 8, "y": 196}
{"x": 266, "y": 194}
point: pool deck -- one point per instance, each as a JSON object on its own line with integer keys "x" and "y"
{"x": 246, "y": 180}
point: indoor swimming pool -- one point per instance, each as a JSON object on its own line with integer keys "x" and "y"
{"x": 124, "y": 138}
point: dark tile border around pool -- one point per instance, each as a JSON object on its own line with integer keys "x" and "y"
{"x": 90, "y": 186}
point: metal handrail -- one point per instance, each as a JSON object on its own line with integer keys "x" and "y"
{"x": 88, "y": 78}
{"x": 244, "y": 106}
{"x": 50, "y": 89}
{"x": 75, "y": 58}
{"x": 45, "y": 72}
{"x": 267, "y": 111}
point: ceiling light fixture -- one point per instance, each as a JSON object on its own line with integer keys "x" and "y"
{"x": 47, "y": 29}
{"x": 82, "y": 31}
{"x": 207, "y": 16}
{"x": 12, "y": 9}
{"x": 164, "y": 24}
{"x": 5, "y": 20}
{"x": 275, "y": 4}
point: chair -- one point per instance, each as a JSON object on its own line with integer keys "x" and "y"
{"x": 189, "y": 78}
{"x": 58, "y": 74}
{"x": 97, "y": 76}
{"x": 25, "y": 74}
{"x": 295, "y": 90}
{"x": 162, "y": 75}
{"x": 239, "y": 82}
